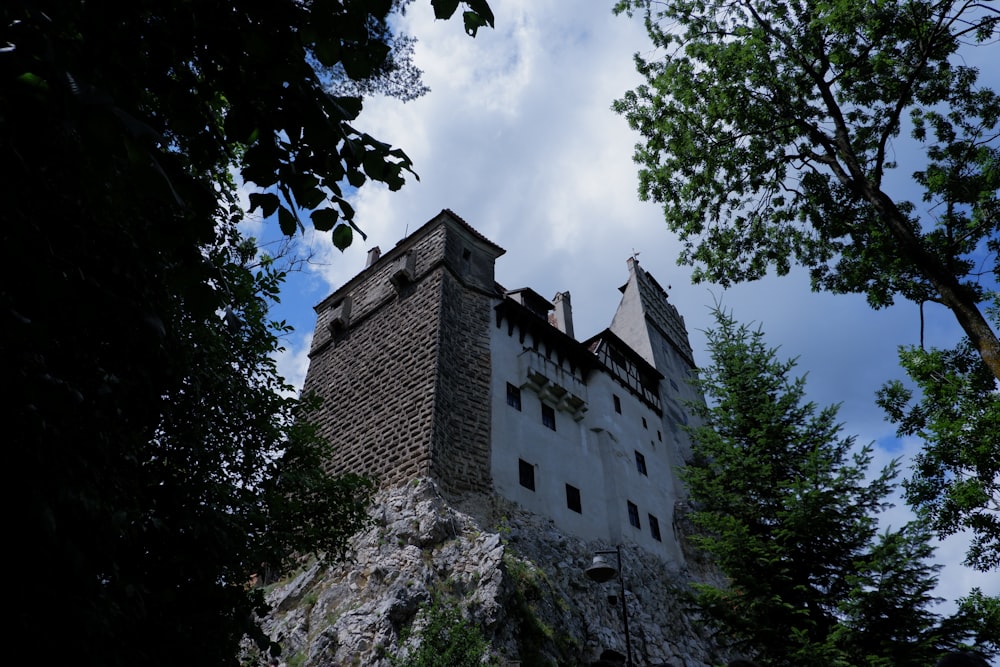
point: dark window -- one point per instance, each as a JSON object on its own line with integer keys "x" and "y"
{"x": 548, "y": 416}
{"x": 674, "y": 385}
{"x": 659, "y": 436}
{"x": 644, "y": 425}
{"x": 633, "y": 514}
{"x": 654, "y": 528}
{"x": 573, "y": 498}
{"x": 513, "y": 396}
{"x": 618, "y": 404}
{"x": 640, "y": 463}
{"x": 526, "y": 472}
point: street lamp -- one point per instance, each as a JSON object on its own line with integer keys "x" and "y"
{"x": 600, "y": 571}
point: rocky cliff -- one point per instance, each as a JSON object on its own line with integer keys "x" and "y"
{"x": 512, "y": 574}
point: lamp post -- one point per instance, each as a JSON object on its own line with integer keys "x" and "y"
{"x": 600, "y": 571}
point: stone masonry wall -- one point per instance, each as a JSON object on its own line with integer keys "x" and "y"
{"x": 462, "y": 437}
{"x": 372, "y": 289}
{"x": 405, "y": 374}
{"x": 377, "y": 378}
{"x": 665, "y": 315}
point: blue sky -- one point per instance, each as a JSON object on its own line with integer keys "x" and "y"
{"x": 517, "y": 137}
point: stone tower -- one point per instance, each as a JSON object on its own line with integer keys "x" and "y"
{"x": 401, "y": 359}
{"x": 649, "y": 324}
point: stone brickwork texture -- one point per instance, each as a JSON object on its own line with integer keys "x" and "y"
{"x": 405, "y": 380}
{"x": 664, "y": 315}
{"x": 461, "y": 443}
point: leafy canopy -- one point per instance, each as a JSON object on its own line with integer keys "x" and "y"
{"x": 770, "y": 128}
{"x": 956, "y": 476}
{"x": 777, "y": 490}
{"x": 160, "y": 461}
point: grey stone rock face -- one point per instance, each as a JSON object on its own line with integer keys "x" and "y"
{"x": 512, "y": 574}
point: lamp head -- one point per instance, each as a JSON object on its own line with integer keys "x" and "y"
{"x": 600, "y": 570}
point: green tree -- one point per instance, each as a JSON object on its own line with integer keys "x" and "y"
{"x": 159, "y": 461}
{"x": 956, "y": 475}
{"x": 784, "y": 505}
{"x": 396, "y": 77}
{"x": 770, "y": 129}
{"x": 447, "y": 639}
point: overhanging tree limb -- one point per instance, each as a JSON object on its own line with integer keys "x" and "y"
{"x": 843, "y": 74}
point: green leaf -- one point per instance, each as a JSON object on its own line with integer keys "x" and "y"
{"x": 311, "y": 198}
{"x": 361, "y": 63}
{"x": 375, "y": 165}
{"x": 324, "y": 219}
{"x": 482, "y": 8}
{"x": 473, "y": 22}
{"x": 239, "y": 126}
{"x": 443, "y": 9}
{"x": 479, "y": 15}
{"x": 343, "y": 235}
{"x": 348, "y": 108}
{"x": 327, "y": 52}
{"x": 33, "y": 80}
{"x": 356, "y": 178}
{"x": 267, "y": 202}
{"x": 259, "y": 173}
{"x": 346, "y": 209}
{"x": 287, "y": 220}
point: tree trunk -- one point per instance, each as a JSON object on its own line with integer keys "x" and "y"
{"x": 953, "y": 295}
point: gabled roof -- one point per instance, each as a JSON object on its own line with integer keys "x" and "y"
{"x": 609, "y": 336}
{"x": 532, "y": 300}
{"x": 457, "y": 218}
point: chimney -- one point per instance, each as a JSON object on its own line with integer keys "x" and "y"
{"x": 373, "y": 256}
{"x": 563, "y": 313}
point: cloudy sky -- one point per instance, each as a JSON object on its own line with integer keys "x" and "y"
{"x": 517, "y": 136}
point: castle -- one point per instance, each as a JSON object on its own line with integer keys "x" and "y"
{"x": 429, "y": 368}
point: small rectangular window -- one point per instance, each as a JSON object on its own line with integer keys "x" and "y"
{"x": 633, "y": 514}
{"x": 618, "y": 404}
{"x": 659, "y": 436}
{"x": 513, "y": 396}
{"x": 654, "y": 528}
{"x": 674, "y": 385}
{"x": 640, "y": 463}
{"x": 526, "y": 473}
{"x": 573, "y": 498}
{"x": 548, "y": 416}
{"x": 644, "y": 424}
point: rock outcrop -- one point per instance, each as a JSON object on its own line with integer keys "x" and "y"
{"x": 513, "y": 574}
